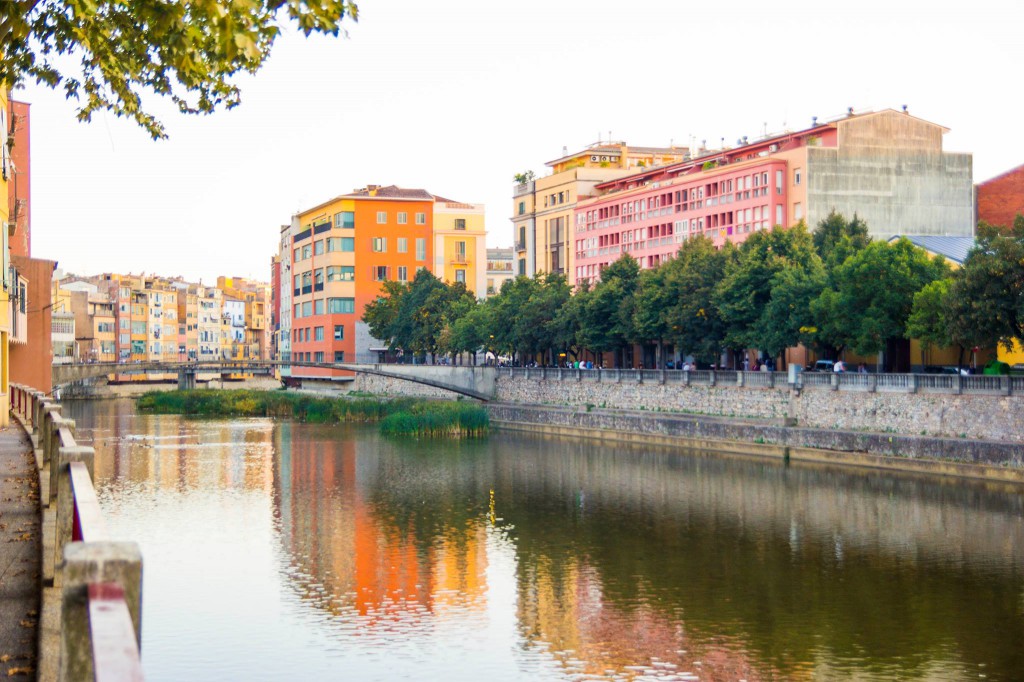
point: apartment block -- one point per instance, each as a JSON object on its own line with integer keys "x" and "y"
{"x": 460, "y": 244}
{"x": 888, "y": 167}
{"x": 500, "y": 269}
{"x": 543, "y": 208}
{"x": 1001, "y": 199}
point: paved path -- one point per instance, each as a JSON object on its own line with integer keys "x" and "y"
{"x": 20, "y": 538}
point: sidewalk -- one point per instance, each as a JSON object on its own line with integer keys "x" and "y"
{"x": 20, "y": 538}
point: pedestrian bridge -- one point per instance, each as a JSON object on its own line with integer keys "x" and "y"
{"x": 473, "y": 382}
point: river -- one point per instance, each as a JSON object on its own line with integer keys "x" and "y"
{"x": 276, "y": 550}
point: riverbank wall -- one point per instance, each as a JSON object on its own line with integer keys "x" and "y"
{"x": 986, "y": 459}
{"x": 962, "y": 417}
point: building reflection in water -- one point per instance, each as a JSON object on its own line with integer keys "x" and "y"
{"x": 572, "y": 559}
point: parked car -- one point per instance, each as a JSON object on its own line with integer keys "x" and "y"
{"x": 945, "y": 369}
{"x": 822, "y": 366}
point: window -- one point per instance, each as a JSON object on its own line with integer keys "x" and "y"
{"x": 421, "y": 248}
{"x": 339, "y": 332}
{"x": 318, "y": 356}
{"x": 522, "y": 207}
{"x": 460, "y": 276}
{"x": 345, "y": 219}
{"x": 138, "y": 327}
{"x": 318, "y": 332}
{"x": 380, "y": 244}
{"x": 341, "y": 244}
{"x": 797, "y": 176}
{"x": 318, "y": 278}
{"x": 307, "y": 309}
{"x": 380, "y": 273}
{"x": 341, "y": 273}
{"x": 460, "y": 252}
{"x": 339, "y": 356}
{"x": 318, "y": 306}
{"x": 341, "y": 305}
{"x": 421, "y": 218}
{"x": 460, "y": 223}
{"x": 306, "y": 330}
{"x": 307, "y": 251}
{"x": 403, "y": 245}
{"x": 798, "y": 211}
{"x": 298, "y": 255}
{"x": 403, "y": 217}
{"x": 318, "y": 247}
{"x": 382, "y": 217}
{"x": 778, "y": 214}
{"x": 778, "y": 182}
{"x": 403, "y": 273}
{"x": 307, "y": 280}
{"x": 298, "y": 312}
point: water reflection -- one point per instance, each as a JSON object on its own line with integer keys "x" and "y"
{"x": 343, "y": 555}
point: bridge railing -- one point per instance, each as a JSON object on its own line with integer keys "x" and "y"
{"x": 96, "y": 582}
{"x": 844, "y": 381}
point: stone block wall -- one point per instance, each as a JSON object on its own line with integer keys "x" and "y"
{"x": 916, "y": 414}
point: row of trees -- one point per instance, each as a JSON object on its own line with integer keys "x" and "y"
{"x": 832, "y": 289}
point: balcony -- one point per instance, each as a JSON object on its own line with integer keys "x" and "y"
{"x": 458, "y": 259}
{"x": 520, "y": 246}
{"x": 523, "y": 188}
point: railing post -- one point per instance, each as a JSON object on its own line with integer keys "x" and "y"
{"x": 741, "y": 379}
{"x": 958, "y": 383}
{"x": 713, "y": 379}
{"x": 55, "y": 426}
{"x": 913, "y": 384}
{"x": 1005, "y": 384}
{"x": 872, "y": 383}
{"x": 544, "y": 373}
{"x": 91, "y": 563}
{"x": 48, "y": 414}
{"x": 618, "y": 375}
{"x": 65, "y": 516}
{"x": 661, "y": 379}
{"x": 835, "y": 381}
{"x": 579, "y": 374}
{"x": 686, "y": 378}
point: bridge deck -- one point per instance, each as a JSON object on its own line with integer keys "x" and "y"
{"x": 20, "y": 554}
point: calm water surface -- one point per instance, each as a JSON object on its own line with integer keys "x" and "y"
{"x": 283, "y": 551}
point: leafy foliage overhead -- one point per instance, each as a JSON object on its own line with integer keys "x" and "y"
{"x": 188, "y": 50}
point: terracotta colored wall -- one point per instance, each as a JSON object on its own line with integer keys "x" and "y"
{"x": 20, "y": 189}
{"x": 31, "y": 363}
{"x": 1002, "y": 198}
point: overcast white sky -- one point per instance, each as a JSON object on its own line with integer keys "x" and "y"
{"x": 456, "y": 96}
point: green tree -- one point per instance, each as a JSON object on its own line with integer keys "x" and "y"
{"x": 872, "y": 295}
{"x": 746, "y": 292}
{"x": 787, "y": 319}
{"x": 929, "y": 318}
{"x": 188, "y": 51}
{"x": 987, "y": 295}
{"x": 652, "y": 301}
{"x": 836, "y": 239}
{"x": 695, "y": 324}
{"x": 606, "y": 324}
{"x": 381, "y": 314}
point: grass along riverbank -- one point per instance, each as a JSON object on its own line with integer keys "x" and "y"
{"x": 400, "y": 416}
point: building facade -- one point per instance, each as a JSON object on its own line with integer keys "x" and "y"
{"x": 460, "y": 244}
{"x": 543, "y": 208}
{"x": 1001, "y": 199}
{"x": 888, "y": 167}
{"x": 500, "y": 269}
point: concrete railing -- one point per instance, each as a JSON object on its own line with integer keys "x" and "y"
{"x": 846, "y": 381}
{"x": 93, "y": 582}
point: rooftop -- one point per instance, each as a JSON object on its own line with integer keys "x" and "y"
{"x": 954, "y": 249}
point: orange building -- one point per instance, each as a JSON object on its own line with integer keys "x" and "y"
{"x": 341, "y": 252}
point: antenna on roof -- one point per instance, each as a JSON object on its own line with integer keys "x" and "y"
{"x": 905, "y": 109}
{"x": 814, "y": 121}
{"x": 565, "y": 150}
{"x": 849, "y": 111}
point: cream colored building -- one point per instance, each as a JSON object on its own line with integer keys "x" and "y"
{"x": 460, "y": 244}
{"x": 542, "y": 208}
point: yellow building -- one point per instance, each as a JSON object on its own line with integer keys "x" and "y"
{"x": 542, "y": 208}
{"x": 460, "y": 248}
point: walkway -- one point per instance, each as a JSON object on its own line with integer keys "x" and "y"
{"x": 19, "y": 555}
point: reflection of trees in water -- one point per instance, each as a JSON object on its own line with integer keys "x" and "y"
{"x": 625, "y": 553}
{"x": 792, "y": 562}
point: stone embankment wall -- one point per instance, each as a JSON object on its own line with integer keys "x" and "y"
{"x": 378, "y": 385}
{"x": 989, "y": 417}
{"x": 975, "y": 458}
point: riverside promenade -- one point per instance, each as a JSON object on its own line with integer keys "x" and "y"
{"x": 20, "y": 555}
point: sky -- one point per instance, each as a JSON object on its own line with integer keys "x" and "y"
{"x": 457, "y": 96}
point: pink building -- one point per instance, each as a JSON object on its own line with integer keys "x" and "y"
{"x": 888, "y": 167}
